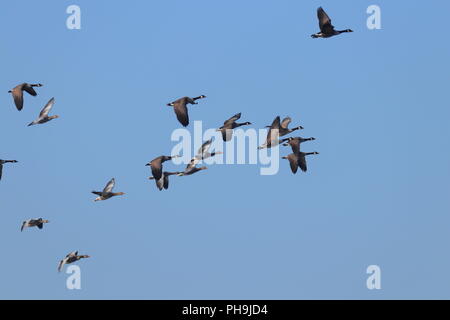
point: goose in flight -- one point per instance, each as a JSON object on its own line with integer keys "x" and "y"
{"x": 326, "y": 28}
{"x": 298, "y": 160}
{"x": 202, "y": 153}
{"x": 163, "y": 183}
{"x": 107, "y": 191}
{"x": 191, "y": 171}
{"x": 17, "y": 93}
{"x": 295, "y": 143}
{"x": 156, "y": 165}
{"x": 284, "y": 127}
{"x": 2, "y": 162}
{"x": 273, "y": 135}
{"x": 229, "y": 125}
{"x": 70, "y": 258}
{"x": 180, "y": 108}
{"x": 33, "y": 223}
{"x": 43, "y": 116}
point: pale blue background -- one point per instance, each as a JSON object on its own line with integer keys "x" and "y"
{"x": 377, "y": 101}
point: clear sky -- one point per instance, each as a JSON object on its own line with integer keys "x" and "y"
{"x": 378, "y": 193}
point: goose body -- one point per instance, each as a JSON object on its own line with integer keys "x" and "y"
{"x": 2, "y": 162}
{"x": 180, "y": 108}
{"x": 17, "y": 93}
{"x": 43, "y": 116}
{"x": 107, "y": 191}
{"x": 326, "y": 28}
{"x": 229, "y": 125}
{"x": 71, "y": 258}
{"x": 33, "y": 223}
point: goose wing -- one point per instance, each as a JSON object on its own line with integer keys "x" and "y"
{"x": 293, "y": 162}
{"x": 273, "y": 133}
{"x": 24, "y": 225}
{"x": 109, "y": 186}
{"x": 324, "y": 21}
{"x": 17, "y": 94}
{"x": 1, "y": 170}
{"x": 61, "y": 264}
{"x": 47, "y": 108}
{"x": 227, "y": 134}
{"x": 156, "y": 166}
{"x": 204, "y": 148}
{"x": 285, "y": 122}
{"x": 237, "y": 116}
{"x": 166, "y": 182}
{"x": 181, "y": 111}
{"x": 72, "y": 254}
{"x": 302, "y": 162}
{"x": 29, "y": 89}
{"x": 160, "y": 182}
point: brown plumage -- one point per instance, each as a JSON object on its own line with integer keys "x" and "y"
{"x": 156, "y": 165}
{"x": 229, "y": 125}
{"x": 163, "y": 183}
{"x": 295, "y": 142}
{"x": 298, "y": 160}
{"x": 326, "y": 28}
{"x": 107, "y": 191}
{"x": 71, "y": 258}
{"x": 17, "y": 93}
{"x": 180, "y": 108}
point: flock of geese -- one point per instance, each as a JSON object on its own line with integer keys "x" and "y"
{"x": 278, "y": 129}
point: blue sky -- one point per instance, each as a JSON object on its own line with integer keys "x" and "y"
{"x": 376, "y": 100}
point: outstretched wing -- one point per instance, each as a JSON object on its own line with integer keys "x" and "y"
{"x": 109, "y": 186}
{"x": 293, "y": 161}
{"x": 227, "y": 134}
{"x": 72, "y": 254}
{"x": 204, "y": 148}
{"x": 17, "y": 94}
{"x": 302, "y": 162}
{"x": 61, "y": 264}
{"x": 160, "y": 183}
{"x": 273, "y": 134}
{"x": 324, "y": 20}
{"x": 181, "y": 111}
{"x": 47, "y": 108}
{"x": 166, "y": 182}
{"x": 285, "y": 122}
{"x": 232, "y": 119}
{"x": 29, "y": 89}
{"x": 24, "y": 225}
